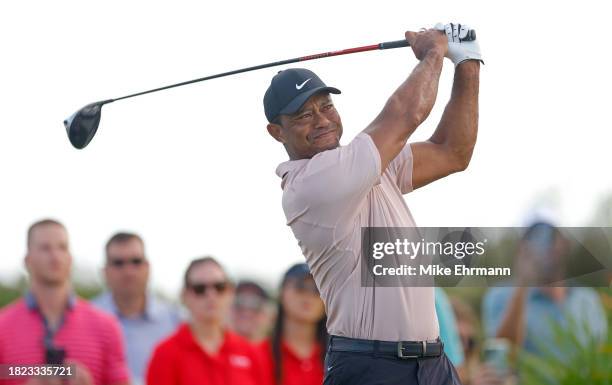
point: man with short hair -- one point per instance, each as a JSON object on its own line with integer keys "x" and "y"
{"x": 51, "y": 325}
{"x": 145, "y": 320}
{"x": 382, "y": 335}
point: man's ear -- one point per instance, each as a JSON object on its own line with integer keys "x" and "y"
{"x": 26, "y": 261}
{"x": 275, "y": 130}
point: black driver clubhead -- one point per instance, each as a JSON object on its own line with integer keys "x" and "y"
{"x": 83, "y": 124}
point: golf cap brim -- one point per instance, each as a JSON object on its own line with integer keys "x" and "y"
{"x": 297, "y": 103}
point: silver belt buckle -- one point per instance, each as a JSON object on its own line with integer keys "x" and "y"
{"x": 400, "y": 354}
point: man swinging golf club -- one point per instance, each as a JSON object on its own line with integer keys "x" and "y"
{"x": 380, "y": 335}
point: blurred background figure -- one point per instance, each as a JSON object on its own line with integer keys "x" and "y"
{"x": 51, "y": 325}
{"x": 251, "y": 314}
{"x": 203, "y": 351}
{"x": 474, "y": 371}
{"x": 527, "y": 316}
{"x": 295, "y": 353}
{"x": 145, "y": 320}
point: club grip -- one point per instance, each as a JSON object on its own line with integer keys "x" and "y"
{"x": 393, "y": 44}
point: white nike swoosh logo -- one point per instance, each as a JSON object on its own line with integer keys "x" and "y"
{"x": 302, "y": 85}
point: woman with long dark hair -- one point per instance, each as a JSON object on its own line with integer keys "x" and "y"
{"x": 296, "y": 350}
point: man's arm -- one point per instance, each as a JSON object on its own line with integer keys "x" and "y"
{"x": 412, "y": 102}
{"x": 512, "y": 326}
{"x": 450, "y": 148}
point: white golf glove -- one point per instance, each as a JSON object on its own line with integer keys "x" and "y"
{"x": 462, "y": 43}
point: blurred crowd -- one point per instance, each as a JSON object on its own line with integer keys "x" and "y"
{"x": 227, "y": 332}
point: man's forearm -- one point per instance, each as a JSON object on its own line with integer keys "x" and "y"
{"x": 512, "y": 325}
{"x": 412, "y": 102}
{"x": 407, "y": 108}
{"x": 459, "y": 124}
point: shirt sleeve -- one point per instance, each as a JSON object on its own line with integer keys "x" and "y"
{"x": 400, "y": 169}
{"x": 336, "y": 181}
{"x": 448, "y": 328}
{"x": 116, "y": 369}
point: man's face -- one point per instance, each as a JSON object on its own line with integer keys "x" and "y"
{"x": 301, "y": 300}
{"x": 208, "y": 294}
{"x": 48, "y": 259}
{"x": 126, "y": 270}
{"x": 314, "y": 128}
{"x": 249, "y": 314}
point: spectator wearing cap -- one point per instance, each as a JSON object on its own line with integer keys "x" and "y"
{"x": 51, "y": 325}
{"x": 525, "y": 315}
{"x": 296, "y": 351}
{"x": 251, "y": 315}
{"x": 203, "y": 351}
{"x": 145, "y": 320}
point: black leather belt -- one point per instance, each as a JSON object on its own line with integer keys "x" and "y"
{"x": 401, "y": 349}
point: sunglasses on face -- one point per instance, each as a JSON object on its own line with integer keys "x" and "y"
{"x": 119, "y": 263}
{"x": 249, "y": 302}
{"x": 202, "y": 288}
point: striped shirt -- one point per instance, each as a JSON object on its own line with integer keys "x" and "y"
{"x": 90, "y": 338}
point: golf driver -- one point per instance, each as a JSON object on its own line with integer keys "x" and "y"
{"x": 83, "y": 124}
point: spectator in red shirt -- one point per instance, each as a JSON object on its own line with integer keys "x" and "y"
{"x": 50, "y": 325}
{"x": 203, "y": 351}
{"x": 296, "y": 351}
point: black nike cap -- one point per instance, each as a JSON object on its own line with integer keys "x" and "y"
{"x": 289, "y": 90}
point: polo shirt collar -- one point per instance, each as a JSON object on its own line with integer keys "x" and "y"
{"x": 289, "y": 166}
{"x": 32, "y": 304}
{"x": 187, "y": 338}
{"x": 316, "y": 352}
{"x": 537, "y": 294}
{"x": 151, "y": 309}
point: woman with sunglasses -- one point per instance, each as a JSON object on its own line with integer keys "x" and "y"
{"x": 296, "y": 350}
{"x": 203, "y": 351}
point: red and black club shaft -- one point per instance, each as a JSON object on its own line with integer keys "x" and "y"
{"x": 83, "y": 124}
{"x": 386, "y": 45}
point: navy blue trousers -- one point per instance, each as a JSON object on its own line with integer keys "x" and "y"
{"x": 348, "y": 368}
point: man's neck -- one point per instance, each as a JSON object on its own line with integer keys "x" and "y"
{"x": 130, "y": 306}
{"x": 299, "y": 336}
{"x": 556, "y": 294}
{"x": 52, "y": 301}
{"x": 208, "y": 335}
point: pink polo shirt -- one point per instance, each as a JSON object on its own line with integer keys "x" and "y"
{"x": 89, "y": 336}
{"x": 327, "y": 200}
